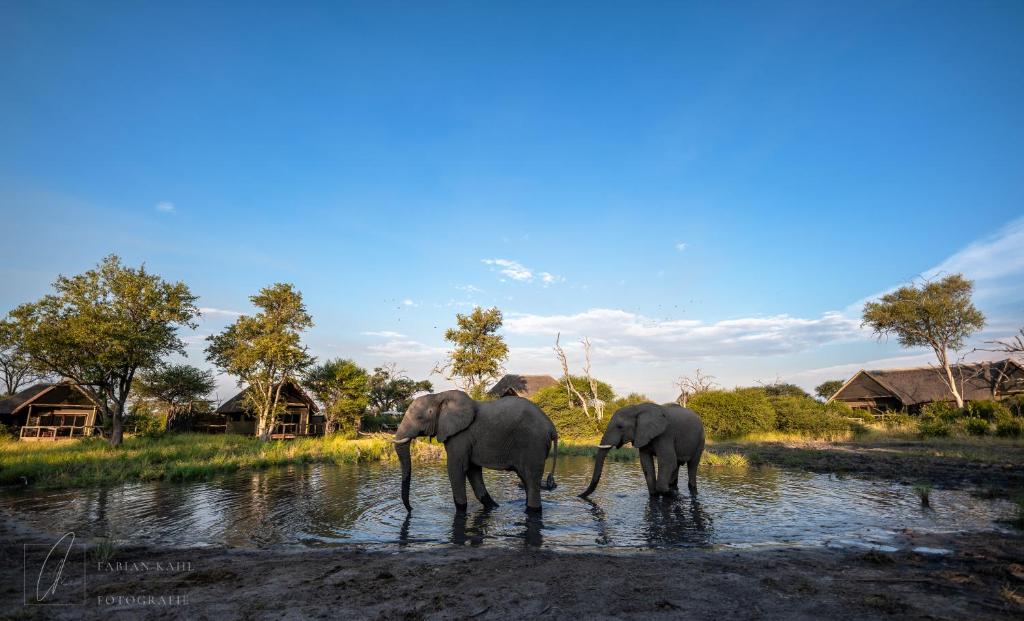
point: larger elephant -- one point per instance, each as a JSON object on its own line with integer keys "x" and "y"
{"x": 510, "y": 433}
{"x": 669, "y": 434}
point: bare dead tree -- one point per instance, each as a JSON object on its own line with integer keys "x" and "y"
{"x": 998, "y": 375}
{"x": 690, "y": 385}
{"x": 570, "y": 389}
{"x": 597, "y": 402}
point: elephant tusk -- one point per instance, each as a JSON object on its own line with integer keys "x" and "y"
{"x": 402, "y": 441}
{"x": 604, "y": 446}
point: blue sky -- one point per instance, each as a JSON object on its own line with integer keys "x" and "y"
{"x": 688, "y": 185}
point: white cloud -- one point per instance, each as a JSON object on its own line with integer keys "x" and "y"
{"x": 520, "y": 273}
{"x": 165, "y": 207}
{"x": 994, "y": 257}
{"x": 399, "y": 350}
{"x": 387, "y": 334}
{"x": 469, "y": 288}
{"x": 206, "y": 310}
{"x": 681, "y": 246}
{"x": 408, "y": 302}
{"x": 686, "y": 338}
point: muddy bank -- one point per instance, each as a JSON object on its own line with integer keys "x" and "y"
{"x": 982, "y": 577}
{"x": 994, "y": 468}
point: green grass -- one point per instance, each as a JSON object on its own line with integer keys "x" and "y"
{"x": 191, "y": 457}
{"x": 186, "y": 457}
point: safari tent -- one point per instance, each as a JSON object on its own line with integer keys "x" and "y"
{"x": 520, "y": 385}
{"x": 301, "y": 417}
{"x": 910, "y": 389}
{"x": 50, "y": 411}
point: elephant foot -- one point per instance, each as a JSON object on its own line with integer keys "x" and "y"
{"x": 489, "y": 502}
{"x": 460, "y": 507}
{"x": 534, "y": 510}
{"x": 549, "y": 484}
{"x": 693, "y": 490}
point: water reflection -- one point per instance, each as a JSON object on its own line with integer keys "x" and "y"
{"x": 330, "y": 505}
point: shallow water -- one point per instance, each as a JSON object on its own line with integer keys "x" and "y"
{"x": 326, "y": 505}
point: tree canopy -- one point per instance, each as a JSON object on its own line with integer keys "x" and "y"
{"x": 101, "y": 327}
{"x": 938, "y": 314}
{"x": 343, "y": 390}
{"x": 16, "y": 369}
{"x": 391, "y": 390}
{"x": 264, "y": 350}
{"x": 828, "y": 388}
{"x": 479, "y": 351}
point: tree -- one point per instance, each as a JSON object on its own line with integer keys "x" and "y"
{"x": 265, "y": 351}
{"x": 16, "y": 368}
{"x": 571, "y": 391}
{"x": 391, "y": 390}
{"x": 828, "y": 388}
{"x": 690, "y": 385}
{"x": 178, "y": 387}
{"x": 343, "y": 389}
{"x": 99, "y": 328}
{"x": 479, "y": 351}
{"x": 938, "y": 314}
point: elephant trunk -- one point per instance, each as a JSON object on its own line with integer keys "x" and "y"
{"x": 405, "y": 459}
{"x": 598, "y": 466}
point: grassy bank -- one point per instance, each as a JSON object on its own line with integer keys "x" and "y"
{"x": 189, "y": 457}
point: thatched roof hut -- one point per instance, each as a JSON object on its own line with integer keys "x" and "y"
{"x": 301, "y": 416}
{"x": 50, "y": 411}
{"x": 513, "y": 385}
{"x": 909, "y": 389}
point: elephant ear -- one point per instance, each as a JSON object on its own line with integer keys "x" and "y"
{"x": 456, "y": 412}
{"x": 650, "y": 423}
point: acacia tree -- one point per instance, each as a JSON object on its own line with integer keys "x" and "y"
{"x": 937, "y": 314}
{"x": 16, "y": 369}
{"x": 178, "y": 387}
{"x": 390, "y": 389}
{"x": 479, "y": 351}
{"x": 343, "y": 389}
{"x": 99, "y": 328}
{"x": 828, "y": 388}
{"x": 265, "y": 351}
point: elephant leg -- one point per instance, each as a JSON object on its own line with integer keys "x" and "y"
{"x": 667, "y": 464}
{"x": 531, "y": 480}
{"x": 476, "y": 481}
{"x": 691, "y": 470}
{"x": 647, "y": 464}
{"x": 457, "y": 476}
{"x": 673, "y": 484}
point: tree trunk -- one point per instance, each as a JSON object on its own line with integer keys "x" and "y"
{"x": 948, "y": 370}
{"x": 116, "y": 429}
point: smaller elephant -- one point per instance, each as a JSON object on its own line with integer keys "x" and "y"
{"x": 670, "y": 434}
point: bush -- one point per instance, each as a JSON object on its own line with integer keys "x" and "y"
{"x": 1016, "y": 405}
{"x": 975, "y": 426}
{"x": 941, "y": 411}
{"x": 568, "y": 415}
{"x": 935, "y": 428}
{"x": 728, "y": 414}
{"x": 895, "y": 420}
{"x": 380, "y": 422}
{"x": 861, "y": 415}
{"x": 805, "y": 415}
{"x": 990, "y": 411}
{"x": 1012, "y": 428}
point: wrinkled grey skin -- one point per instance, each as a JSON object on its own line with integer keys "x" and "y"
{"x": 510, "y": 433}
{"x": 669, "y": 434}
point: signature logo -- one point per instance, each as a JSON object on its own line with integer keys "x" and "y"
{"x": 58, "y": 568}
{"x": 54, "y": 575}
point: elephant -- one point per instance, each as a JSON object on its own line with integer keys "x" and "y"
{"x": 669, "y": 433}
{"x": 510, "y": 433}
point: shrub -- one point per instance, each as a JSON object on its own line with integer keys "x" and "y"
{"x": 1016, "y": 405}
{"x": 935, "y": 428}
{"x": 895, "y": 420}
{"x": 568, "y": 415}
{"x": 991, "y": 411}
{"x": 728, "y": 414}
{"x": 861, "y": 415}
{"x": 975, "y": 426}
{"x": 939, "y": 410}
{"x": 805, "y": 415}
{"x": 1011, "y": 428}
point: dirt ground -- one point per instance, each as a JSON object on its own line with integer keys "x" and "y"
{"x": 982, "y": 578}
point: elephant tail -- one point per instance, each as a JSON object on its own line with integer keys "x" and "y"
{"x": 549, "y": 484}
